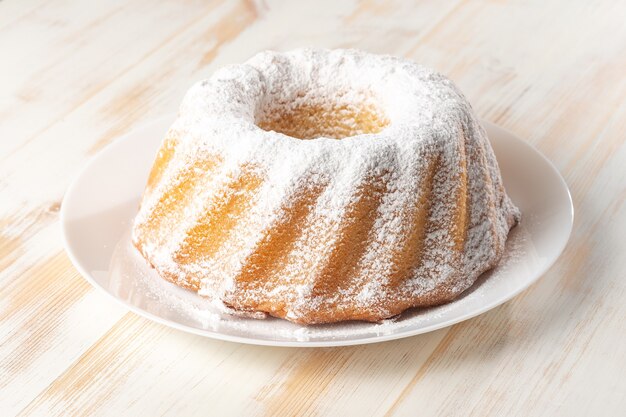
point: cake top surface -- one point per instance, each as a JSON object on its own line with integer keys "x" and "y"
{"x": 323, "y": 94}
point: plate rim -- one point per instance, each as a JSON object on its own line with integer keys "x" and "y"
{"x": 302, "y": 343}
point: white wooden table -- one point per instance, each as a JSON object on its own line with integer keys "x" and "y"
{"x": 74, "y": 75}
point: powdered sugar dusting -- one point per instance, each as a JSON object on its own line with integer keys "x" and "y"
{"x": 430, "y": 145}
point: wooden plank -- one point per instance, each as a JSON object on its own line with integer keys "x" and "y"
{"x": 48, "y": 317}
{"x": 552, "y": 73}
{"x": 52, "y": 74}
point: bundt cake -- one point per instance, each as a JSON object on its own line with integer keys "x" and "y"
{"x": 324, "y": 185}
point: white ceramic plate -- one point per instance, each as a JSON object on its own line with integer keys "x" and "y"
{"x": 99, "y": 206}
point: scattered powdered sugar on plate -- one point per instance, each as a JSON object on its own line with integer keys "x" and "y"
{"x": 132, "y": 280}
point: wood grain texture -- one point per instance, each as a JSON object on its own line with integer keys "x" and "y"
{"x": 76, "y": 75}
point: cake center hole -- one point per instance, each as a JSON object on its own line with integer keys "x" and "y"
{"x": 313, "y": 118}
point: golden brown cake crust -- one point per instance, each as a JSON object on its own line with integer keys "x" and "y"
{"x": 320, "y": 186}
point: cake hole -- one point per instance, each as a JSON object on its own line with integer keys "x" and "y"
{"x": 314, "y": 118}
